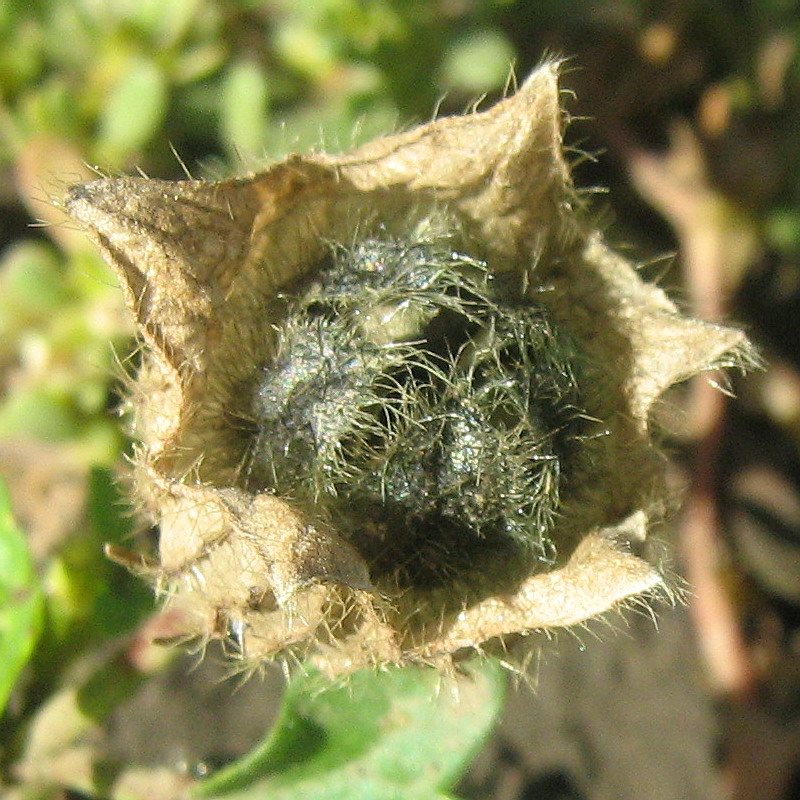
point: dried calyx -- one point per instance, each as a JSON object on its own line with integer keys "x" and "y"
{"x": 395, "y": 403}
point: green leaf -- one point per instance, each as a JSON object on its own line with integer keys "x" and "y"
{"x": 399, "y": 733}
{"x": 21, "y": 600}
{"x": 38, "y": 412}
{"x": 783, "y": 229}
{"x": 31, "y": 281}
{"x": 478, "y": 63}
{"x": 165, "y": 22}
{"x": 134, "y": 111}
{"x": 123, "y": 600}
{"x": 245, "y": 105}
{"x": 109, "y": 513}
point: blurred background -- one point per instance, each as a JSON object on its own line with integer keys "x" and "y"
{"x": 684, "y": 116}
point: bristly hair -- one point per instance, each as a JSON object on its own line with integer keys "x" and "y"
{"x": 420, "y": 405}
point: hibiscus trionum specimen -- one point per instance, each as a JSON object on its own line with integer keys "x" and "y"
{"x": 394, "y": 404}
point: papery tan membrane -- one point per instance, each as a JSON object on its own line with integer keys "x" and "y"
{"x": 201, "y": 263}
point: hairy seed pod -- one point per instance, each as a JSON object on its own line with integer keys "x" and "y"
{"x": 420, "y": 406}
{"x": 395, "y": 403}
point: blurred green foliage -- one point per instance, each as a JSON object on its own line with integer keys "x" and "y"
{"x": 228, "y": 85}
{"x": 124, "y": 79}
{"x": 21, "y": 600}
